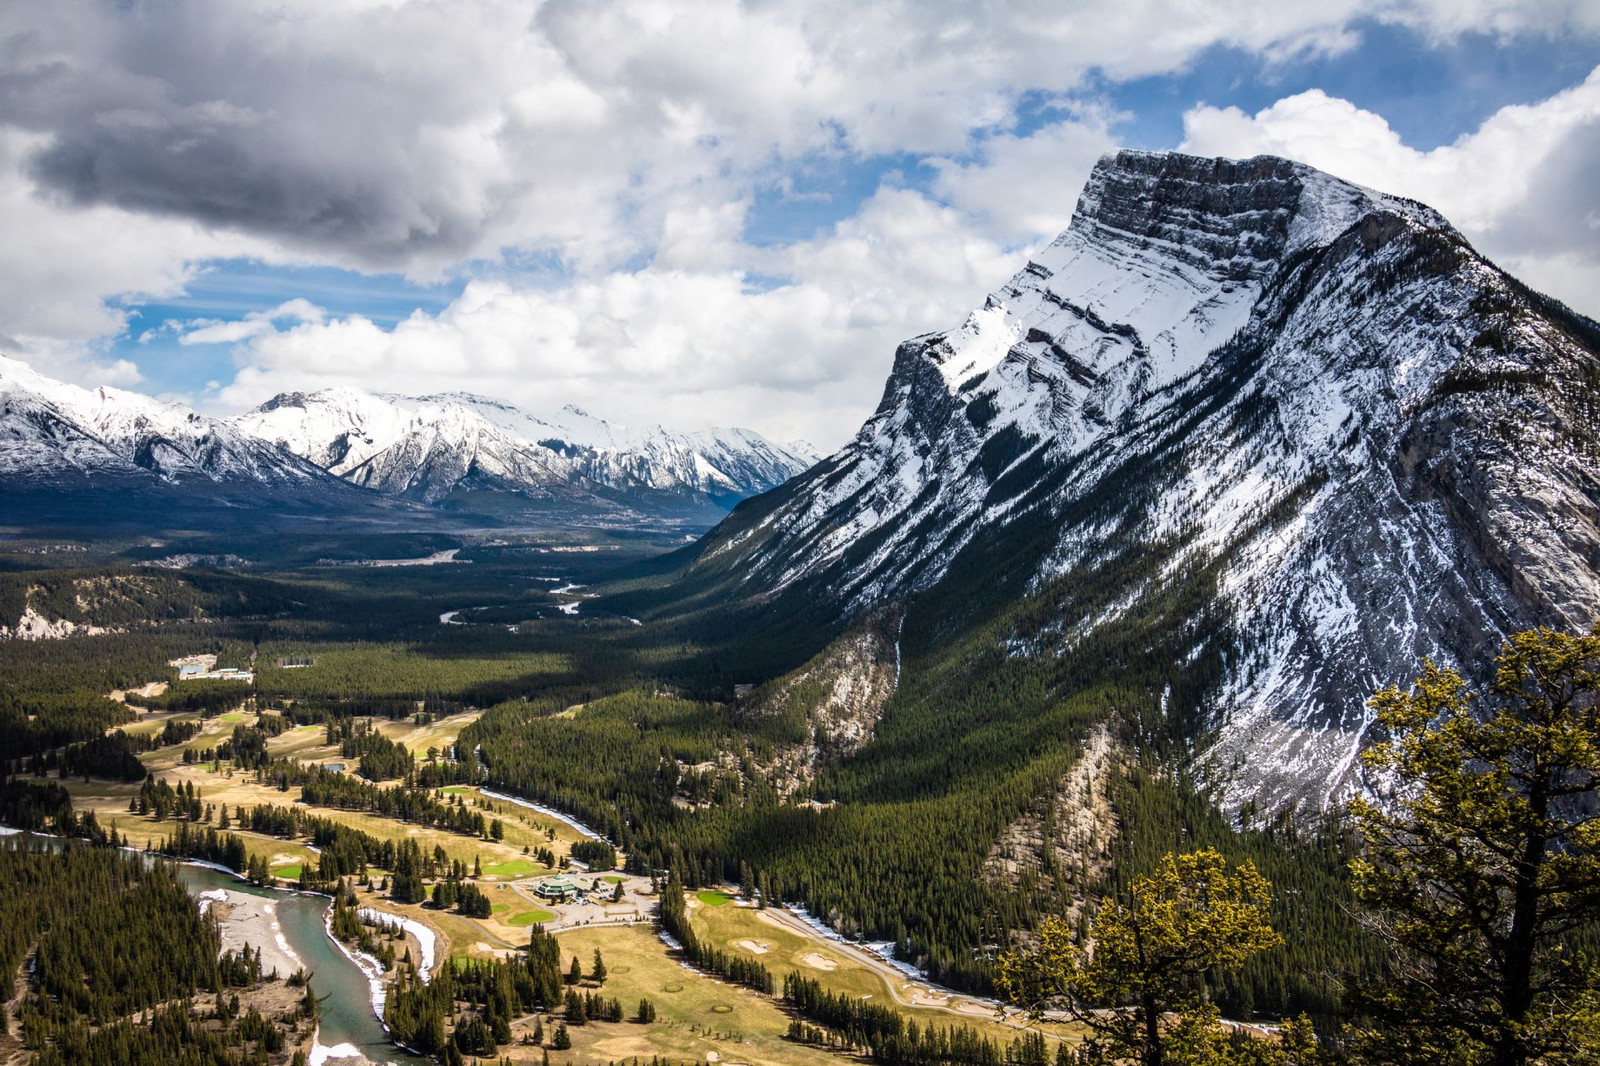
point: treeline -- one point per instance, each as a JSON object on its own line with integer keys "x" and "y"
{"x": 617, "y": 765}
{"x": 597, "y": 855}
{"x": 351, "y": 674}
{"x": 454, "y": 890}
{"x": 166, "y": 1035}
{"x": 111, "y": 936}
{"x": 1307, "y": 861}
{"x": 204, "y": 697}
{"x": 207, "y": 843}
{"x": 704, "y": 956}
{"x": 429, "y": 1016}
{"x": 370, "y": 936}
{"x": 35, "y": 720}
{"x": 114, "y": 756}
{"x": 321, "y": 787}
{"x": 131, "y": 597}
{"x": 377, "y": 757}
{"x": 34, "y": 805}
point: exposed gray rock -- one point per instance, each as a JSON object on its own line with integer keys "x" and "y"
{"x": 1315, "y": 401}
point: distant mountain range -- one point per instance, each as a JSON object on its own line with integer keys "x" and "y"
{"x": 1244, "y": 444}
{"x": 328, "y": 446}
{"x": 53, "y": 433}
{"x": 430, "y": 447}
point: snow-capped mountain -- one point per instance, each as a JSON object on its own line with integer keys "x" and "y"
{"x": 51, "y": 431}
{"x": 429, "y": 447}
{"x": 1295, "y": 428}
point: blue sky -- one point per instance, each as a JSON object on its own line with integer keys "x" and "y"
{"x": 732, "y": 217}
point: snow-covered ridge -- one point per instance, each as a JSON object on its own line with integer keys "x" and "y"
{"x": 50, "y": 429}
{"x": 427, "y": 446}
{"x": 1322, "y": 391}
{"x": 54, "y": 433}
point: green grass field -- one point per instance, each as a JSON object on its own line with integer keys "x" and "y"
{"x": 786, "y": 951}
{"x": 287, "y": 873}
{"x": 511, "y": 868}
{"x": 712, "y": 898}
{"x": 530, "y": 917}
{"x": 696, "y": 1014}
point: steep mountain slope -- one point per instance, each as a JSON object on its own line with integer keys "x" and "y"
{"x": 52, "y": 431}
{"x": 430, "y": 447}
{"x": 1292, "y": 432}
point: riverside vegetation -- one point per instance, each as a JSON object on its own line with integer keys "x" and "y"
{"x": 633, "y": 729}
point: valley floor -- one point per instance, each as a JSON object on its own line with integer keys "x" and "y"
{"x": 699, "y": 1017}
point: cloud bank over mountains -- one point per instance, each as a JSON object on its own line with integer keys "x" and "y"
{"x": 598, "y": 177}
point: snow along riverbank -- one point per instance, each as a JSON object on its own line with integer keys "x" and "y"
{"x": 548, "y": 812}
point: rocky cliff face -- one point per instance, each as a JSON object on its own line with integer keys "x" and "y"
{"x": 1315, "y": 403}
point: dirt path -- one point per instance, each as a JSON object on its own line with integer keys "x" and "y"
{"x": 11, "y": 1049}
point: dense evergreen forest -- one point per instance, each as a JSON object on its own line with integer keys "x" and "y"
{"x": 634, "y": 730}
{"x": 655, "y": 758}
{"x": 111, "y": 937}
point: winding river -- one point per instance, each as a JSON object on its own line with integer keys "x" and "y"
{"x": 348, "y": 1025}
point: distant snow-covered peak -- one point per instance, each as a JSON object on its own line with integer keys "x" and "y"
{"x": 427, "y": 446}
{"x": 51, "y": 428}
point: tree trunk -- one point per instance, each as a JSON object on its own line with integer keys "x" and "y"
{"x": 1151, "y": 1011}
{"x": 1516, "y": 991}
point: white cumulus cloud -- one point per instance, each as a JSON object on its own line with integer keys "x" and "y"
{"x": 1522, "y": 186}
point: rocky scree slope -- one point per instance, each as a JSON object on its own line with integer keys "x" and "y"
{"x": 1305, "y": 412}
{"x": 429, "y": 447}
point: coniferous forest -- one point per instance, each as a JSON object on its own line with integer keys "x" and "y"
{"x": 636, "y": 731}
{"x": 122, "y": 966}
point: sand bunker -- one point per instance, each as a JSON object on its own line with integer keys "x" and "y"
{"x": 819, "y": 962}
{"x": 755, "y": 947}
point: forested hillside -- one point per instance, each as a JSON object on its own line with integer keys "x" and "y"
{"x": 123, "y": 969}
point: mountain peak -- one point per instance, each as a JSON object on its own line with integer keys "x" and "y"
{"x": 1239, "y": 409}
{"x": 428, "y": 446}
{"x": 1231, "y": 218}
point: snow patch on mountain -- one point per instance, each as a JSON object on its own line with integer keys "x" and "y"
{"x": 1320, "y": 393}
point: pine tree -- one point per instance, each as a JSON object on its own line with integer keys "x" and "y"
{"x": 598, "y": 974}
{"x": 563, "y": 1039}
{"x": 1485, "y": 860}
{"x": 575, "y": 973}
{"x": 1151, "y": 949}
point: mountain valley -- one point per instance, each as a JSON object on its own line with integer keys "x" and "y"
{"x": 1111, "y": 573}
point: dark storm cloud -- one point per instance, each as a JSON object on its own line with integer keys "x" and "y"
{"x": 236, "y": 178}
{"x": 279, "y": 125}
